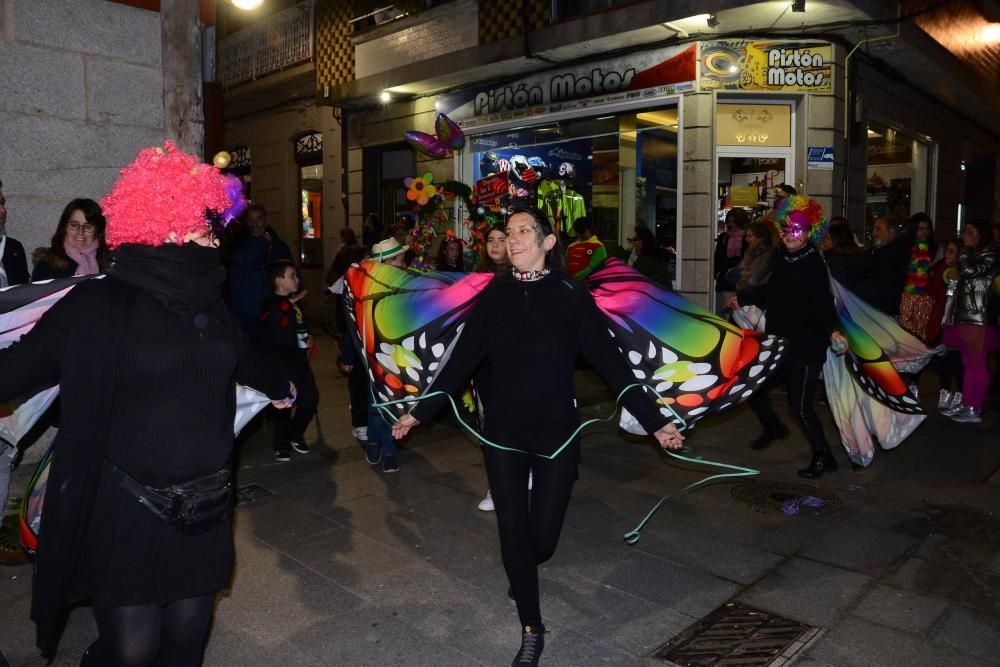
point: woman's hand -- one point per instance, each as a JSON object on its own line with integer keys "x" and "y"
{"x": 733, "y": 303}
{"x": 838, "y": 342}
{"x": 669, "y": 437}
{"x": 288, "y": 401}
{"x": 403, "y": 426}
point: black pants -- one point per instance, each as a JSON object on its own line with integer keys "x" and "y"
{"x": 357, "y": 388}
{"x": 529, "y": 522}
{"x": 151, "y": 635}
{"x": 950, "y": 370}
{"x": 800, "y": 379}
{"x": 291, "y": 424}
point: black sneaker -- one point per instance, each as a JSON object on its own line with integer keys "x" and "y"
{"x": 532, "y": 643}
{"x": 299, "y": 446}
{"x": 282, "y": 455}
{"x": 389, "y": 463}
{"x": 373, "y": 453}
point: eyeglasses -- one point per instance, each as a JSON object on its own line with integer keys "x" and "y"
{"x": 86, "y": 227}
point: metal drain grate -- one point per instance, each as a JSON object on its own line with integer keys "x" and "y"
{"x": 786, "y": 498}
{"x": 249, "y": 493}
{"x": 735, "y": 634}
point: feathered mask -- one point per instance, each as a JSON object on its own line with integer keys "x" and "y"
{"x": 166, "y": 190}
{"x": 801, "y": 216}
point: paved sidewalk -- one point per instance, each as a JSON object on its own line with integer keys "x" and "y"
{"x": 344, "y": 565}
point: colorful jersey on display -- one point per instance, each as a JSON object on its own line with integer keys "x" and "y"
{"x": 583, "y": 257}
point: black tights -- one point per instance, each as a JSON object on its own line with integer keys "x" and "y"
{"x": 151, "y": 635}
{"x": 801, "y": 381}
{"x": 529, "y": 524}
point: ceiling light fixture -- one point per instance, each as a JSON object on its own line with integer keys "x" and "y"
{"x": 712, "y": 21}
{"x": 247, "y": 4}
{"x": 385, "y": 97}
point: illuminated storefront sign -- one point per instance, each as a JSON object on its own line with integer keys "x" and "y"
{"x": 766, "y": 65}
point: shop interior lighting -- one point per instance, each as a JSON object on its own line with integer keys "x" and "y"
{"x": 247, "y": 4}
{"x": 385, "y": 97}
{"x": 990, "y": 33}
{"x": 798, "y": 5}
{"x": 712, "y": 21}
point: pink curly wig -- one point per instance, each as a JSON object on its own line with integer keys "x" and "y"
{"x": 802, "y": 215}
{"x": 166, "y": 190}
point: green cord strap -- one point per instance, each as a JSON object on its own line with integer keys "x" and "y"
{"x": 632, "y": 536}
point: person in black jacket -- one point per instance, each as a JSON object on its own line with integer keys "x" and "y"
{"x": 150, "y": 405}
{"x": 882, "y": 270}
{"x": 799, "y": 307}
{"x": 532, "y": 405}
{"x": 285, "y": 336}
{"x": 78, "y": 246}
{"x": 13, "y": 262}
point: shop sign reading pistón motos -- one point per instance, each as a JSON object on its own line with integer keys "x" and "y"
{"x": 643, "y": 75}
{"x": 766, "y": 65}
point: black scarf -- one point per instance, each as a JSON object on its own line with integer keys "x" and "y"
{"x": 186, "y": 279}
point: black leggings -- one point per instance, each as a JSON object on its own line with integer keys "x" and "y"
{"x": 172, "y": 635}
{"x": 801, "y": 381}
{"x": 950, "y": 370}
{"x": 529, "y": 524}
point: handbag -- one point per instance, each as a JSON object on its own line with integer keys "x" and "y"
{"x": 191, "y": 507}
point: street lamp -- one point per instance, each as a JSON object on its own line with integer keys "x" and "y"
{"x": 247, "y": 4}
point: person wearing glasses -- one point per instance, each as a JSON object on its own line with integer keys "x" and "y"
{"x": 78, "y": 246}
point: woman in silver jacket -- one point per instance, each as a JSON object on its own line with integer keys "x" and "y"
{"x": 972, "y": 328}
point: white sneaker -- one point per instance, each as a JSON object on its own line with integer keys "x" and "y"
{"x": 967, "y": 415}
{"x": 956, "y": 400}
{"x": 954, "y": 406}
{"x": 915, "y": 390}
{"x": 360, "y": 433}
{"x": 486, "y": 504}
{"x": 944, "y": 399}
{"x": 529, "y": 480}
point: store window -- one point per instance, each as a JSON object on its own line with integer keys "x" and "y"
{"x": 309, "y": 159}
{"x": 899, "y": 174}
{"x": 754, "y": 148}
{"x": 618, "y": 170}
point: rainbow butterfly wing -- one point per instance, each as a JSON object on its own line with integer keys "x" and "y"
{"x": 866, "y": 359}
{"x": 699, "y": 363}
{"x": 408, "y": 323}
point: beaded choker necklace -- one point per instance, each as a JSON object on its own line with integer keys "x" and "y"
{"x": 530, "y": 275}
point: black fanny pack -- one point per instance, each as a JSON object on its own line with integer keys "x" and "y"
{"x": 190, "y": 507}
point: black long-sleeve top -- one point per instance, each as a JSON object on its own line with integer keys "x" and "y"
{"x": 530, "y": 333}
{"x": 155, "y": 396}
{"x": 798, "y": 304}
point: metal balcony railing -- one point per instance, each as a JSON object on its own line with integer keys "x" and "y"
{"x": 270, "y": 45}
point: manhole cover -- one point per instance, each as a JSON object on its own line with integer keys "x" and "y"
{"x": 786, "y": 498}
{"x": 249, "y": 493}
{"x": 735, "y": 634}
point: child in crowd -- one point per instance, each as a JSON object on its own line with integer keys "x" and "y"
{"x": 381, "y": 446}
{"x": 941, "y": 287}
{"x": 284, "y": 334}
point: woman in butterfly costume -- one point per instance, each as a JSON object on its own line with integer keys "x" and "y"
{"x": 800, "y": 308}
{"x": 533, "y": 407}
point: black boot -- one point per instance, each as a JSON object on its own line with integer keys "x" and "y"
{"x": 775, "y": 431}
{"x": 821, "y": 463}
{"x": 532, "y": 643}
